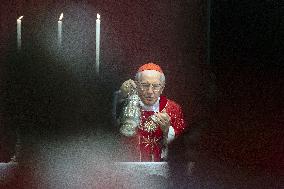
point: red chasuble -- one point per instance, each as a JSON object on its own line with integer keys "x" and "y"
{"x": 149, "y": 138}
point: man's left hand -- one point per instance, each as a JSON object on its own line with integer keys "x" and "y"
{"x": 164, "y": 120}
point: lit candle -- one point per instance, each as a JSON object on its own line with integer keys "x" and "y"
{"x": 59, "y": 34}
{"x": 19, "y": 32}
{"x": 98, "y": 22}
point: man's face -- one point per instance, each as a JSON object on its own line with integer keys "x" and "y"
{"x": 150, "y": 87}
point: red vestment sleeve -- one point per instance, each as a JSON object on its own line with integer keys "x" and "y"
{"x": 177, "y": 118}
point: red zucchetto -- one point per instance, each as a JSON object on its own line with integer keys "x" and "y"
{"x": 150, "y": 66}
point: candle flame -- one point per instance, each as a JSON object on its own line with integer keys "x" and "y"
{"x": 20, "y": 17}
{"x": 61, "y": 16}
{"x": 98, "y": 16}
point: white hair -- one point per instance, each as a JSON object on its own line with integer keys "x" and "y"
{"x": 151, "y": 72}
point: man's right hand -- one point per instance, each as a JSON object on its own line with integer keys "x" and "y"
{"x": 127, "y": 86}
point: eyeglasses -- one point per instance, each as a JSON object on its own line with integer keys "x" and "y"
{"x": 146, "y": 86}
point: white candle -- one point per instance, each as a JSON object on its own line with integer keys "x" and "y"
{"x": 59, "y": 34}
{"x": 98, "y": 22}
{"x": 19, "y": 32}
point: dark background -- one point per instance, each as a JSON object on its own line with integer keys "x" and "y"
{"x": 229, "y": 84}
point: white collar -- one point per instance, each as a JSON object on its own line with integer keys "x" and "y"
{"x": 154, "y": 108}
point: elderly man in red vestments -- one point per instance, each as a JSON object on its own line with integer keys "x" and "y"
{"x": 149, "y": 120}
